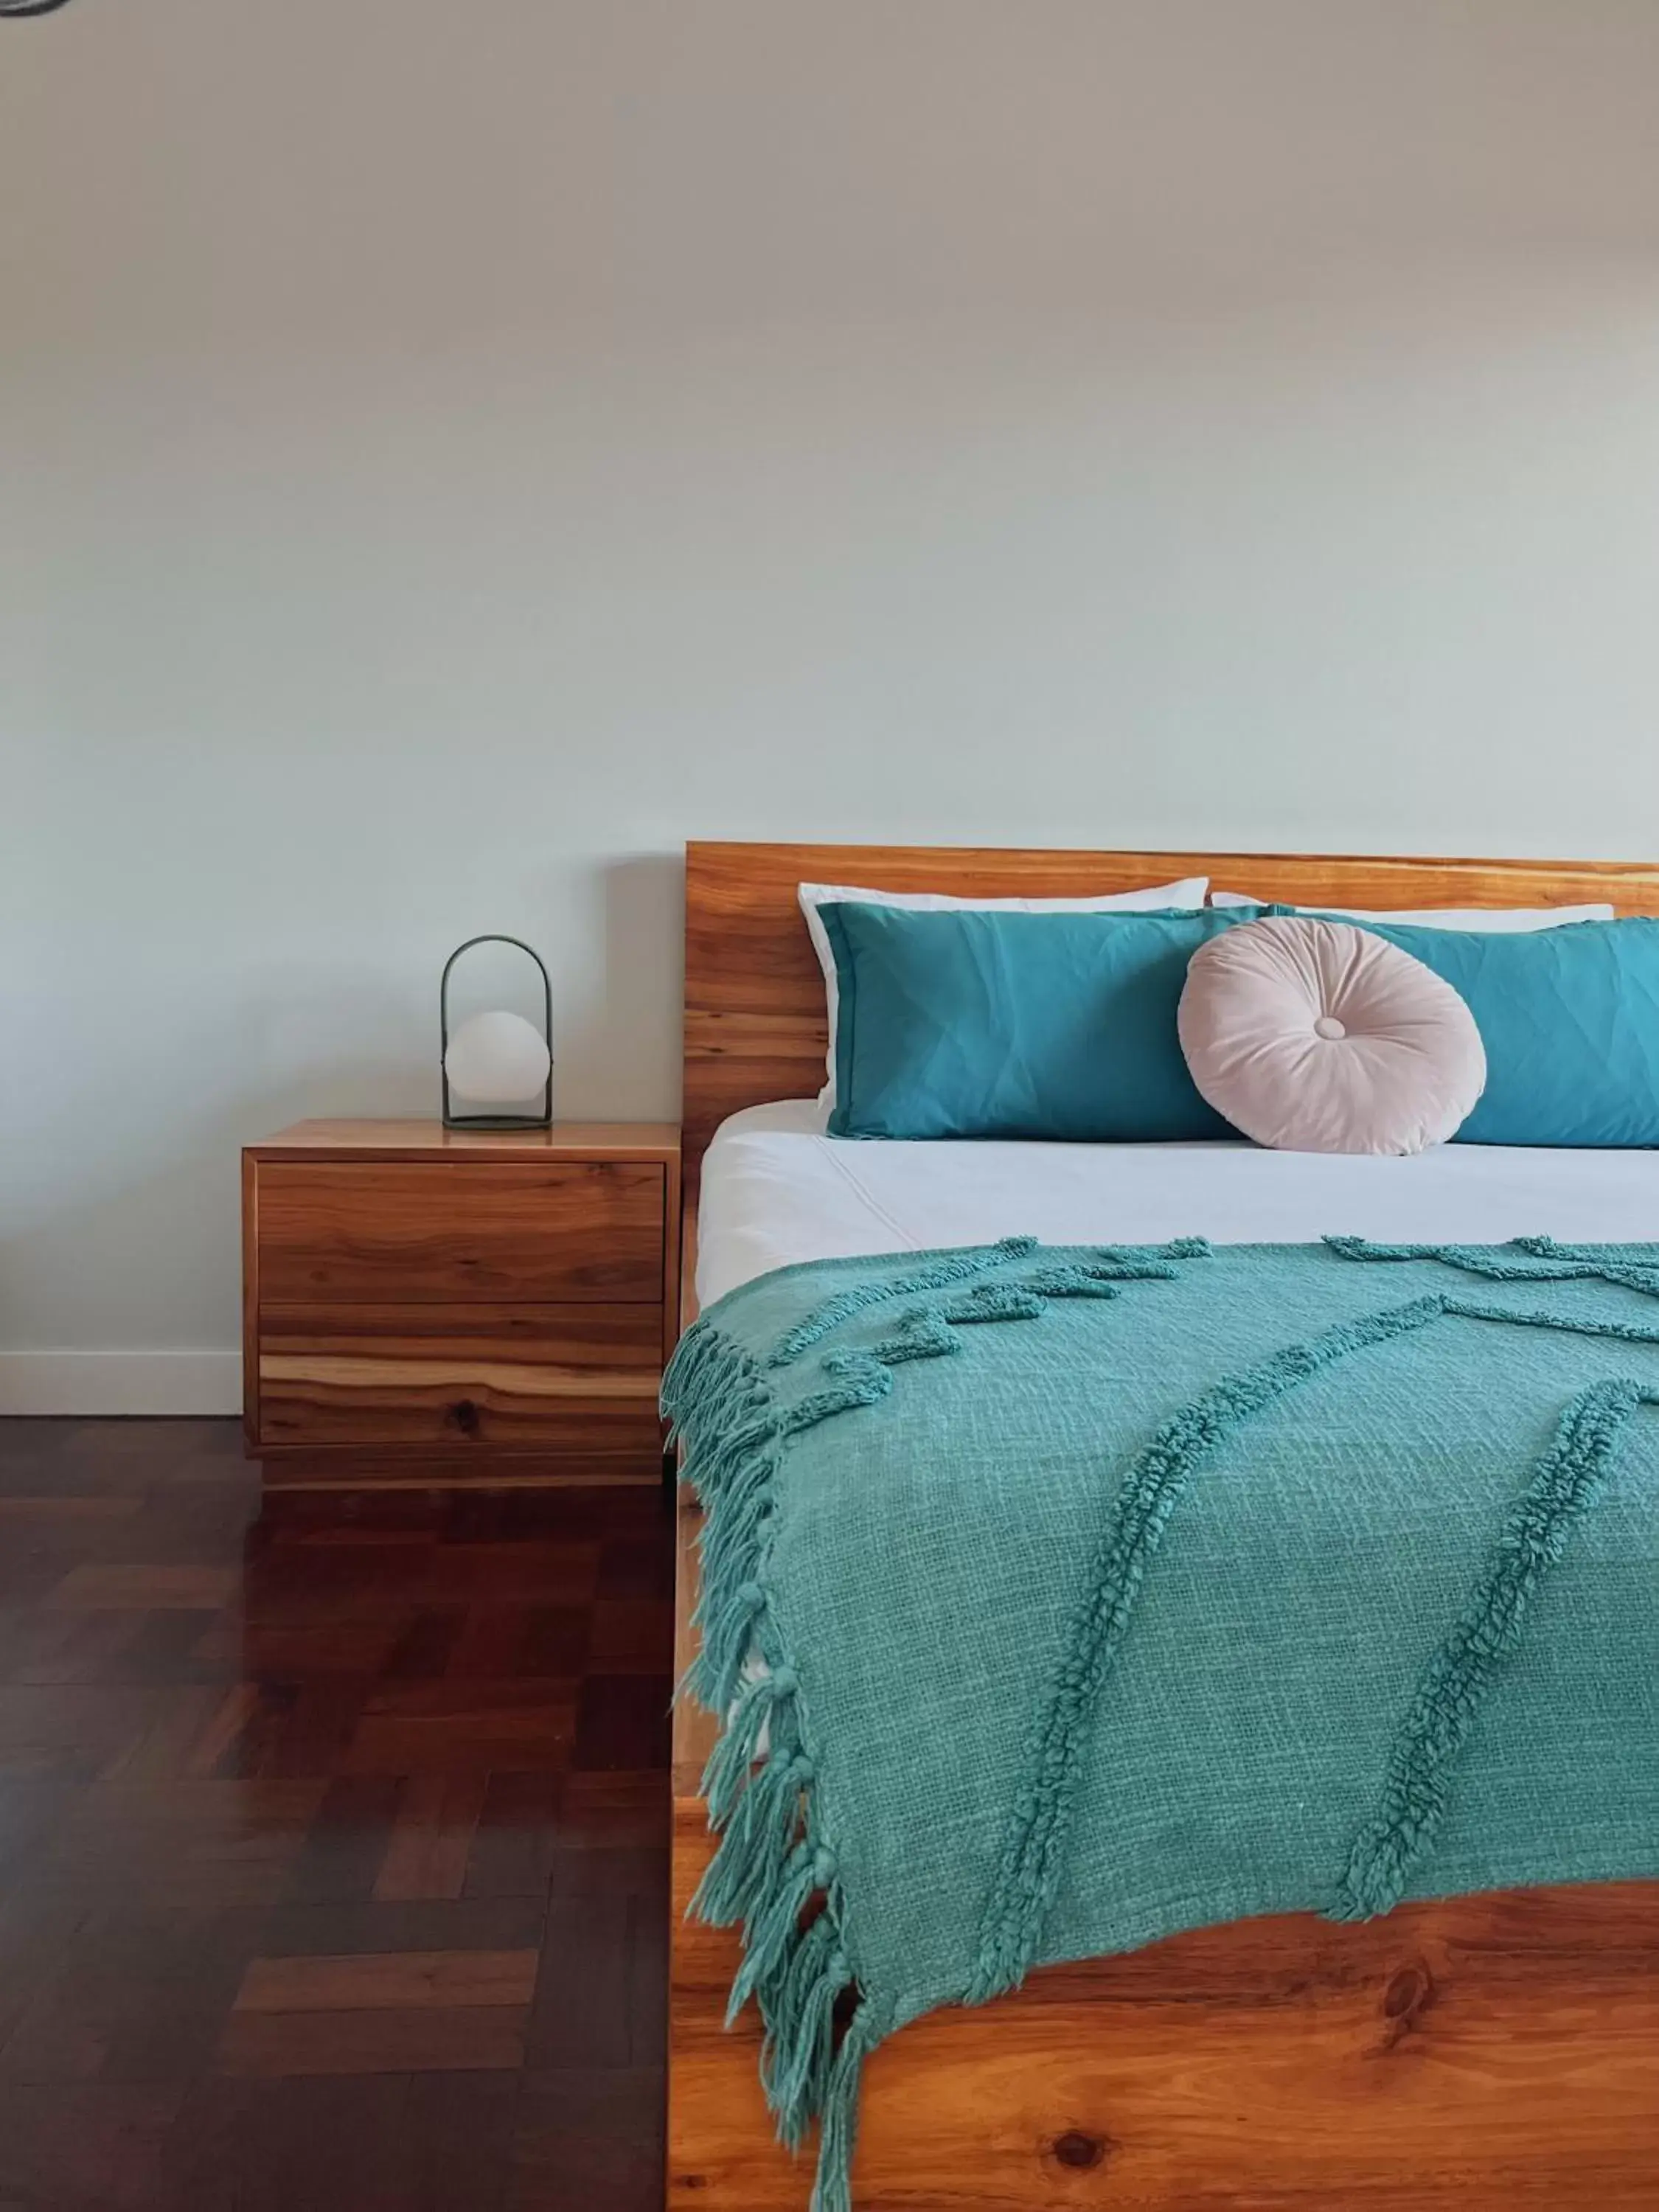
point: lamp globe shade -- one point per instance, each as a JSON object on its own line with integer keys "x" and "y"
{"x": 495, "y": 1058}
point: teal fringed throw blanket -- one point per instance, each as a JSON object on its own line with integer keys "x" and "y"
{"x": 1101, "y": 1594}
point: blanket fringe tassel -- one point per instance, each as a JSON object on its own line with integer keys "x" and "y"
{"x": 772, "y": 1867}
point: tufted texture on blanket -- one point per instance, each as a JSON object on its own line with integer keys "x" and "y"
{"x": 1102, "y": 1593}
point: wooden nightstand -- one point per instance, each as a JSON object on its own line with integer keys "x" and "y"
{"x": 429, "y": 1305}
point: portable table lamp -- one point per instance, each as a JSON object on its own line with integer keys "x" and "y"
{"x": 496, "y": 1058}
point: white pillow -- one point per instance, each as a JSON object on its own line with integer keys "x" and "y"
{"x": 1189, "y": 893}
{"x": 1492, "y": 918}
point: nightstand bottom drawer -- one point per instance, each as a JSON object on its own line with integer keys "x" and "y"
{"x": 580, "y": 1378}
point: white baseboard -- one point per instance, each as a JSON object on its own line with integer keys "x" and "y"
{"x": 135, "y": 1382}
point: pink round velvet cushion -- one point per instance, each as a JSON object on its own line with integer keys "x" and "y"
{"x": 1315, "y": 1036}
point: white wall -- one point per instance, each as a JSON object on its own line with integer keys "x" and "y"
{"x": 451, "y": 453}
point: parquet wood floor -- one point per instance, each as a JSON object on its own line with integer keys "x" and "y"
{"x": 333, "y": 1837}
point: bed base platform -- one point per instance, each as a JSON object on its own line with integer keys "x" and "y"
{"x": 1482, "y": 2052}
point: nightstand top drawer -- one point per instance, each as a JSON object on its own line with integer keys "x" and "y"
{"x": 481, "y": 1227}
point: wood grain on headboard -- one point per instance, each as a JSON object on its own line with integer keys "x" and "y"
{"x": 754, "y": 998}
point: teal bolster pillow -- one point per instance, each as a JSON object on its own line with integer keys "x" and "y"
{"x": 1569, "y": 1019}
{"x": 972, "y": 1023}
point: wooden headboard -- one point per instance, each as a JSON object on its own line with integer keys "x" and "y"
{"x": 754, "y": 998}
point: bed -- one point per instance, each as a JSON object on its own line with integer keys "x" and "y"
{"x": 1495, "y": 2047}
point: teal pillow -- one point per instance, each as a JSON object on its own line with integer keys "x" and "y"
{"x": 1570, "y": 1018}
{"x": 974, "y": 1023}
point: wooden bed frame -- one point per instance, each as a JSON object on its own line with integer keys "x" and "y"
{"x": 1482, "y": 2052}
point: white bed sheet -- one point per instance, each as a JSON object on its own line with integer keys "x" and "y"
{"x": 775, "y": 1190}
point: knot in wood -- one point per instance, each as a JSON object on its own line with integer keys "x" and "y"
{"x": 1075, "y": 2149}
{"x": 1408, "y": 1991}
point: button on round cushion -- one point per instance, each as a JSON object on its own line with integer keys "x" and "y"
{"x": 1315, "y": 1036}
